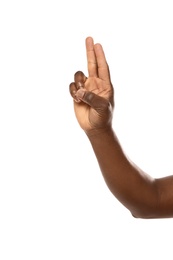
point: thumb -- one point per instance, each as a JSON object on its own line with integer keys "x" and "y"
{"x": 93, "y": 100}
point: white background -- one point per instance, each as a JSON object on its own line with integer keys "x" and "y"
{"x": 54, "y": 203}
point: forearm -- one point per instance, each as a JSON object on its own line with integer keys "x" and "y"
{"x": 135, "y": 189}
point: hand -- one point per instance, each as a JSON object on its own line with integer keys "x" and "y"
{"x": 93, "y": 96}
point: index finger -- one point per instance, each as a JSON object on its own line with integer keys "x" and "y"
{"x": 91, "y": 57}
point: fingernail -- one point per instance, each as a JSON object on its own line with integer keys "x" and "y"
{"x": 80, "y": 85}
{"x": 80, "y": 93}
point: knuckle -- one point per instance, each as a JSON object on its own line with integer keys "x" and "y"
{"x": 79, "y": 77}
{"x": 78, "y": 73}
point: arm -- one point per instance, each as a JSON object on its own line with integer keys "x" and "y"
{"x": 144, "y": 196}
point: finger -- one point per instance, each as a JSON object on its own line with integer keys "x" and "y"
{"x": 79, "y": 79}
{"x": 93, "y": 100}
{"x": 103, "y": 69}
{"x": 73, "y": 90}
{"x": 91, "y": 57}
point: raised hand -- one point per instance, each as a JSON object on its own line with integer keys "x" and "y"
{"x": 143, "y": 195}
{"x": 93, "y": 95}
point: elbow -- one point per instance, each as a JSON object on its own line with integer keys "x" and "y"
{"x": 145, "y": 213}
{"x": 148, "y": 208}
{"x": 142, "y": 215}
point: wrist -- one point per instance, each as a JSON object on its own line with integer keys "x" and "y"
{"x": 99, "y": 132}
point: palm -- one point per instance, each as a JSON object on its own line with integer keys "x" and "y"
{"x": 88, "y": 117}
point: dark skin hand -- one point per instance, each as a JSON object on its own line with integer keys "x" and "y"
{"x": 142, "y": 195}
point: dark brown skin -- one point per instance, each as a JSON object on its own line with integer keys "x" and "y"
{"x": 142, "y": 195}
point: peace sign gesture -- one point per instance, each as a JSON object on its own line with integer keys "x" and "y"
{"x": 93, "y": 95}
